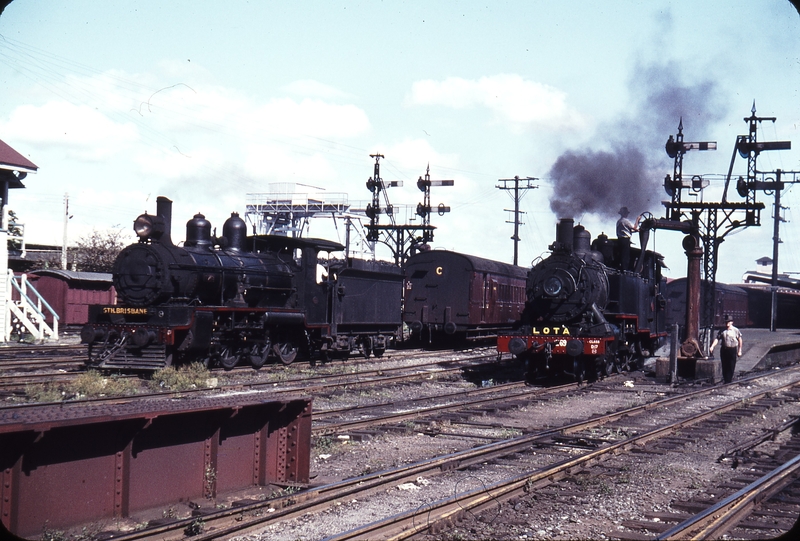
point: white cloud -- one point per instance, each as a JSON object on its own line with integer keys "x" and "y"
{"x": 274, "y": 164}
{"x": 513, "y": 99}
{"x": 83, "y": 132}
{"x": 309, "y": 88}
{"x": 309, "y": 117}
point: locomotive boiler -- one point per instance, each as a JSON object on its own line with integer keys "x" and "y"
{"x": 232, "y": 299}
{"x": 586, "y": 313}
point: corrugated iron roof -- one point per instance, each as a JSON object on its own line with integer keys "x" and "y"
{"x": 75, "y": 275}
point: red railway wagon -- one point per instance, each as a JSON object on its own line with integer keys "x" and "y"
{"x": 70, "y": 293}
{"x": 454, "y": 296}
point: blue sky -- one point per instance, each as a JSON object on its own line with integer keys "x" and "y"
{"x": 205, "y": 102}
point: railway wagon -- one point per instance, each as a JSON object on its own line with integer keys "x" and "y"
{"x": 730, "y": 300}
{"x": 452, "y": 297}
{"x": 750, "y": 305}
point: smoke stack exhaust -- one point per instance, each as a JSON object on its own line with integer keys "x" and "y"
{"x": 164, "y": 209}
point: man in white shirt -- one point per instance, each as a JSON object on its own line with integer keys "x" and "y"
{"x": 731, "y": 339}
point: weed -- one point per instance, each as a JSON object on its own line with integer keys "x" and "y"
{"x": 210, "y": 481}
{"x": 281, "y": 492}
{"x": 324, "y": 445}
{"x": 508, "y": 433}
{"x": 37, "y": 392}
{"x": 94, "y": 384}
{"x": 195, "y": 528}
{"x": 184, "y": 378}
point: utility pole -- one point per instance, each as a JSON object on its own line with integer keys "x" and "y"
{"x": 64, "y": 241}
{"x": 517, "y": 198}
{"x": 776, "y": 240}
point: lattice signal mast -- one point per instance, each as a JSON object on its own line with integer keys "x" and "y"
{"x": 402, "y": 240}
{"x": 703, "y": 221}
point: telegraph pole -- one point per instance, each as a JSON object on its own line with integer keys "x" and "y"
{"x": 64, "y": 241}
{"x": 517, "y": 198}
{"x": 776, "y": 239}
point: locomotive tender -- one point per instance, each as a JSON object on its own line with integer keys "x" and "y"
{"x": 236, "y": 298}
{"x": 585, "y": 315}
{"x": 453, "y": 297}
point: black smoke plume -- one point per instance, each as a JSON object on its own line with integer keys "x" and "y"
{"x": 630, "y": 171}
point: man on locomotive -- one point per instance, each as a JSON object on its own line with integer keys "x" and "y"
{"x": 731, "y": 339}
{"x": 624, "y": 230}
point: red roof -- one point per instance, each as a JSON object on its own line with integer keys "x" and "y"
{"x": 11, "y": 159}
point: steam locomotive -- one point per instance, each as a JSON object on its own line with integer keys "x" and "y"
{"x": 590, "y": 309}
{"x": 232, "y": 299}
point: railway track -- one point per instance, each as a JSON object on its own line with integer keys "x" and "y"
{"x": 576, "y": 441}
{"x": 352, "y": 376}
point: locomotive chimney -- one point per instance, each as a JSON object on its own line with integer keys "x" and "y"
{"x": 564, "y": 235}
{"x": 164, "y": 209}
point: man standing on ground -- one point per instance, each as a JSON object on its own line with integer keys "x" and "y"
{"x": 731, "y": 339}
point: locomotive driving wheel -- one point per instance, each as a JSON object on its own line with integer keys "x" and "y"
{"x": 286, "y": 352}
{"x": 228, "y": 357}
{"x": 258, "y": 354}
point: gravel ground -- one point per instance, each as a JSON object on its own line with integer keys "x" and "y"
{"x": 583, "y": 506}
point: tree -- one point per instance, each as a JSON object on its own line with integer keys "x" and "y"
{"x": 14, "y": 232}
{"x": 97, "y": 251}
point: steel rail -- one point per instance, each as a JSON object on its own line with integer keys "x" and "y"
{"x": 724, "y": 515}
{"x": 410, "y": 523}
{"x": 333, "y": 382}
{"x": 343, "y": 426}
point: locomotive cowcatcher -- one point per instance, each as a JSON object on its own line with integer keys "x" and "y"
{"x": 585, "y": 315}
{"x": 221, "y": 301}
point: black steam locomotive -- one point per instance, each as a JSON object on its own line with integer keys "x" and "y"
{"x": 586, "y": 313}
{"x": 232, "y": 299}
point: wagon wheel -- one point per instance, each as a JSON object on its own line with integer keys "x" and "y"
{"x": 258, "y": 354}
{"x": 366, "y": 346}
{"x": 378, "y": 352}
{"x": 286, "y": 352}
{"x": 228, "y": 357}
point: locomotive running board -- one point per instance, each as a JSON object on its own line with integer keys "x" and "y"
{"x": 65, "y": 465}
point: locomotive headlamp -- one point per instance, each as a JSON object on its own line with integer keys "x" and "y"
{"x": 143, "y": 225}
{"x": 553, "y": 286}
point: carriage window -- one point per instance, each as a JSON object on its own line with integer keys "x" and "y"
{"x": 419, "y": 274}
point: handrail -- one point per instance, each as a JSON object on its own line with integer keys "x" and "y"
{"x": 22, "y": 292}
{"x": 29, "y": 313}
